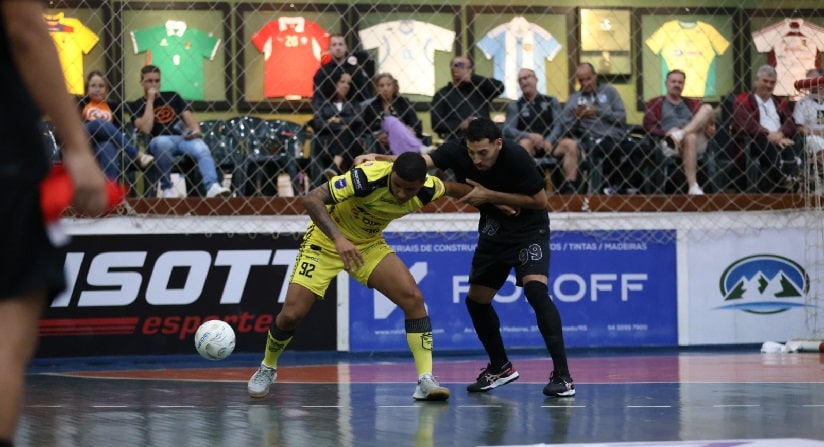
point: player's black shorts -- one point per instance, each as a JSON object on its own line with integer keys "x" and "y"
{"x": 493, "y": 261}
{"x": 28, "y": 261}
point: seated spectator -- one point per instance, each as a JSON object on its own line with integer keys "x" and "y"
{"x": 530, "y": 120}
{"x": 681, "y": 126}
{"x": 392, "y": 119}
{"x": 167, "y": 118}
{"x": 597, "y": 117}
{"x": 359, "y": 64}
{"x": 466, "y": 97}
{"x": 809, "y": 116}
{"x": 103, "y": 125}
{"x": 338, "y": 123}
{"x": 767, "y": 121}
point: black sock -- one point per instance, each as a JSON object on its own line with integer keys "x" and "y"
{"x": 549, "y": 323}
{"x": 488, "y": 327}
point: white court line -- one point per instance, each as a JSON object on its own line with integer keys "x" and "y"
{"x": 563, "y": 406}
{"x": 479, "y": 406}
{"x": 397, "y": 406}
{"x": 44, "y": 406}
{"x": 110, "y": 406}
{"x": 175, "y": 406}
{"x": 321, "y": 406}
{"x": 813, "y": 405}
{"x": 733, "y": 406}
{"x": 649, "y": 406}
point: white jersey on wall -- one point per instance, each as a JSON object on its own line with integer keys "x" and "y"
{"x": 406, "y": 50}
{"x": 519, "y": 44}
{"x": 795, "y": 45}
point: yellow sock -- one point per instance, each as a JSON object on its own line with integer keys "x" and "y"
{"x": 420, "y": 343}
{"x": 274, "y": 348}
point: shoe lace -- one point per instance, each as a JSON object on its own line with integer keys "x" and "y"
{"x": 430, "y": 381}
{"x": 264, "y": 375}
{"x": 556, "y": 377}
{"x": 485, "y": 372}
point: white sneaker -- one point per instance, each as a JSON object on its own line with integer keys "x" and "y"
{"x": 217, "y": 190}
{"x": 169, "y": 193}
{"x": 677, "y": 135}
{"x": 695, "y": 190}
{"x": 258, "y": 385}
{"x": 144, "y": 160}
{"x": 429, "y": 389}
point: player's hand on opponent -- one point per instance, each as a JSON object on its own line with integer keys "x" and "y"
{"x": 477, "y": 196}
{"x": 89, "y": 183}
{"x": 349, "y": 254}
{"x": 480, "y": 195}
{"x": 363, "y": 158}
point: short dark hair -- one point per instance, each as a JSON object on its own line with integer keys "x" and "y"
{"x": 481, "y": 128}
{"x": 410, "y": 166}
{"x": 676, "y": 71}
{"x": 148, "y": 69}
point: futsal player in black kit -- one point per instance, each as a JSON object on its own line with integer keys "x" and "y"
{"x": 513, "y": 233}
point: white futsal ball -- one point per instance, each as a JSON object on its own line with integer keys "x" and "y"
{"x": 215, "y": 340}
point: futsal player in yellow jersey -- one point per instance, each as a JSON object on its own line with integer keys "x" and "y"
{"x": 349, "y": 214}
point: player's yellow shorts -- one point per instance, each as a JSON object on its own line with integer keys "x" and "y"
{"x": 318, "y": 262}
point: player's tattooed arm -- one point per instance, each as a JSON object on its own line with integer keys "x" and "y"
{"x": 315, "y": 204}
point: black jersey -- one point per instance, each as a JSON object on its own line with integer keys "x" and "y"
{"x": 514, "y": 172}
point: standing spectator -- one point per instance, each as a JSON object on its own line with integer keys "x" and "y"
{"x": 466, "y": 97}
{"x": 767, "y": 121}
{"x": 508, "y": 190}
{"x": 349, "y": 215}
{"x": 809, "y": 116}
{"x": 338, "y": 122}
{"x": 530, "y": 120}
{"x": 358, "y": 64}
{"x": 167, "y": 118}
{"x": 681, "y": 126}
{"x": 392, "y": 119}
{"x": 31, "y": 268}
{"x": 597, "y": 117}
{"x": 102, "y": 121}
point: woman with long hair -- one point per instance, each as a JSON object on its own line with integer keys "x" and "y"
{"x": 103, "y": 125}
{"x": 392, "y": 119}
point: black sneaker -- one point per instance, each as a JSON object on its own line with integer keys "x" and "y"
{"x": 492, "y": 378}
{"x": 560, "y": 385}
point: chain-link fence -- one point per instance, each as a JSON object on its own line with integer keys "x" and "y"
{"x": 257, "y": 77}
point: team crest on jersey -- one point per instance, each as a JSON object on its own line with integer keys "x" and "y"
{"x": 340, "y": 183}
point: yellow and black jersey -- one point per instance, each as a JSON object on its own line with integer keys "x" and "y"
{"x": 364, "y": 205}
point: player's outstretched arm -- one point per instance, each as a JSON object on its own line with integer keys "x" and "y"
{"x": 363, "y": 158}
{"x": 315, "y": 204}
{"x": 457, "y": 190}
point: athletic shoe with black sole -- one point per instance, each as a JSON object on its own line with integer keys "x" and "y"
{"x": 560, "y": 385}
{"x": 491, "y": 378}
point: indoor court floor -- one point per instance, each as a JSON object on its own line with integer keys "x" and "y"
{"x": 655, "y": 398}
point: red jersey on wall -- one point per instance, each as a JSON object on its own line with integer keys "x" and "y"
{"x": 291, "y": 48}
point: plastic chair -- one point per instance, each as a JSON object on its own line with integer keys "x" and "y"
{"x": 227, "y": 161}
{"x": 293, "y": 138}
{"x": 262, "y": 151}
